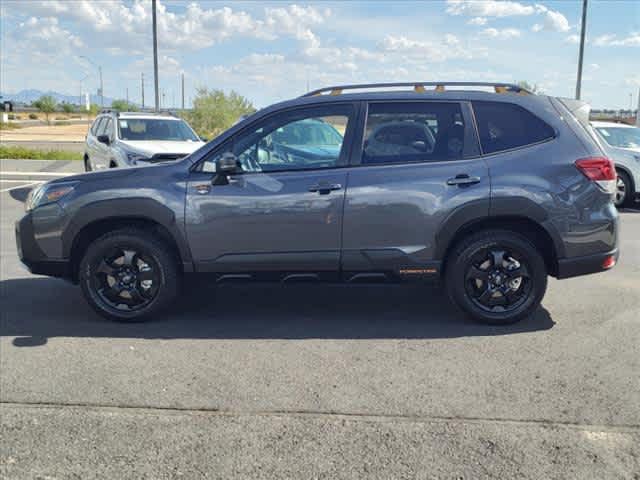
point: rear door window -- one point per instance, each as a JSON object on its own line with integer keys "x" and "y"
{"x": 95, "y": 128}
{"x": 404, "y": 132}
{"x": 504, "y": 126}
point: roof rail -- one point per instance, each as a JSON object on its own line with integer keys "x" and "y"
{"x": 109, "y": 110}
{"x": 419, "y": 87}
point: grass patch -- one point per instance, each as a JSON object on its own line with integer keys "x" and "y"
{"x": 8, "y": 126}
{"x": 9, "y": 151}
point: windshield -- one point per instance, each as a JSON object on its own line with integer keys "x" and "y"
{"x": 307, "y": 132}
{"x": 621, "y": 137}
{"x": 155, "y": 129}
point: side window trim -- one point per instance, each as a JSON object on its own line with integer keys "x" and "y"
{"x": 343, "y": 160}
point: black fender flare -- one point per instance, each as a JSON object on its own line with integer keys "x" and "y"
{"x": 123, "y": 208}
{"x": 495, "y": 209}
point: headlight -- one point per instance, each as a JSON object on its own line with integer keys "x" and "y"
{"x": 48, "y": 193}
{"x": 135, "y": 157}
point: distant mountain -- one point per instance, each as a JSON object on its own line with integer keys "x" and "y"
{"x": 31, "y": 95}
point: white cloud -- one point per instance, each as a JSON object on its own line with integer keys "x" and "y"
{"x": 574, "y": 39}
{"x": 612, "y": 40}
{"x": 553, "y": 21}
{"x": 594, "y": 66}
{"x": 427, "y": 51}
{"x": 477, "y": 21}
{"x": 488, "y": 8}
{"x": 122, "y": 24}
{"x": 504, "y": 33}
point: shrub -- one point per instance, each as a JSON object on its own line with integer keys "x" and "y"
{"x": 33, "y": 116}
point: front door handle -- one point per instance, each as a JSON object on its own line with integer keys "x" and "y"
{"x": 463, "y": 179}
{"x": 324, "y": 188}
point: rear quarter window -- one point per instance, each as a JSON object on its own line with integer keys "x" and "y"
{"x": 504, "y": 126}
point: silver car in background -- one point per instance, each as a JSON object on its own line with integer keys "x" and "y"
{"x": 622, "y": 144}
{"x": 128, "y": 139}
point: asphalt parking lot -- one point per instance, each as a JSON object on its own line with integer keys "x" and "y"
{"x": 319, "y": 381}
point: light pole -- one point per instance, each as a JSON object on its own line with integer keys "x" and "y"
{"x": 638, "y": 110}
{"x": 80, "y": 97}
{"x": 100, "y": 75}
{"x": 155, "y": 51}
{"x": 583, "y": 31}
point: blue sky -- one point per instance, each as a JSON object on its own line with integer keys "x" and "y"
{"x": 269, "y": 51}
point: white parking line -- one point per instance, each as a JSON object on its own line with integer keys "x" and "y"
{"x": 18, "y": 186}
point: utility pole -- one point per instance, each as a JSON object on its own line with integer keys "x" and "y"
{"x": 155, "y": 52}
{"x": 127, "y": 97}
{"x": 182, "y": 90}
{"x": 142, "y": 85}
{"x": 583, "y": 31}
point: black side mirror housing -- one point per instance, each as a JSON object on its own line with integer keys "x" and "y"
{"x": 104, "y": 139}
{"x": 226, "y": 165}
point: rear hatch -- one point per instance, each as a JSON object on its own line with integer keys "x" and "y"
{"x": 596, "y": 166}
{"x": 578, "y": 117}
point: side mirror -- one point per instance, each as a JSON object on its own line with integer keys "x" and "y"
{"x": 104, "y": 139}
{"x": 226, "y": 165}
{"x": 203, "y": 138}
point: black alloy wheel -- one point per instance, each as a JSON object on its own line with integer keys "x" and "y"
{"x": 126, "y": 279}
{"x": 496, "y": 276}
{"x": 497, "y": 280}
{"x": 129, "y": 275}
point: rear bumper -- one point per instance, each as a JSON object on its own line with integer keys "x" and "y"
{"x": 573, "y": 267}
{"x": 32, "y": 256}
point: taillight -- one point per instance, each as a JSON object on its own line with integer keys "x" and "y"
{"x": 600, "y": 170}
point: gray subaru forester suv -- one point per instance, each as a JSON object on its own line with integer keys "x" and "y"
{"x": 488, "y": 191}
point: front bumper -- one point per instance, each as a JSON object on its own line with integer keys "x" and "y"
{"x": 32, "y": 256}
{"x": 573, "y": 267}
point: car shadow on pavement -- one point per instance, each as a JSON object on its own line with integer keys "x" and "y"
{"x": 35, "y": 310}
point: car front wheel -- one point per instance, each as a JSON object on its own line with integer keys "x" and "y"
{"x": 128, "y": 275}
{"x": 497, "y": 277}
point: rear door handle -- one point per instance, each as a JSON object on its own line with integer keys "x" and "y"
{"x": 324, "y": 188}
{"x": 463, "y": 179}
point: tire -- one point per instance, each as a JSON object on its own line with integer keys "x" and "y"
{"x": 475, "y": 269}
{"x": 87, "y": 165}
{"x": 128, "y": 275}
{"x": 624, "y": 190}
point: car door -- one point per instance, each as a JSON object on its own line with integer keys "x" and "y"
{"x": 418, "y": 175}
{"x": 281, "y": 211}
{"x": 93, "y": 146}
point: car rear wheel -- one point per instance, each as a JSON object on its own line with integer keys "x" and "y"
{"x": 624, "y": 190}
{"x": 127, "y": 275}
{"x": 496, "y": 277}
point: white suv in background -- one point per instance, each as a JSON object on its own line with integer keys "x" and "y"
{"x": 622, "y": 144}
{"x": 127, "y": 139}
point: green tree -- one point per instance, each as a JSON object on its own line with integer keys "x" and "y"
{"x": 47, "y": 105}
{"x": 527, "y": 86}
{"x": 214, "y": 111}
{"x": 67, "y": 107}
{"x": 123, "y": 106}
{"x": 94, "y": 108}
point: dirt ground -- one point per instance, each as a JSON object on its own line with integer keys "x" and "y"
{"x": 53, "y": 133}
